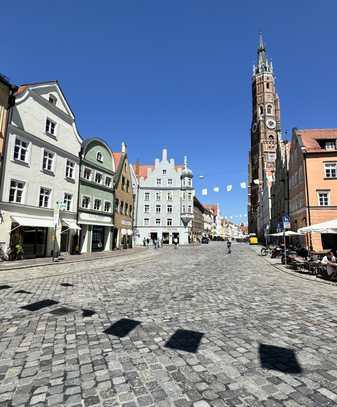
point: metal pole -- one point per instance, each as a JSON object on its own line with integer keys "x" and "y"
{"x": 54, "y": 242}
{"x": 285, "y": 245}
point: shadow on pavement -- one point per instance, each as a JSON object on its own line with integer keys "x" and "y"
{"x": 35, "y": 306}
{"x": 277, "y": 358}
{"x": 185, "y": 340}
{"x": 122, "y": 327}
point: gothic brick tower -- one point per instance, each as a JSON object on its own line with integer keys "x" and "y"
{"x": 265, "y": 131}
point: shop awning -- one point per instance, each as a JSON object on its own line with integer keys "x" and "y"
{"x": 287, "y": 233}
{"x": 71, "y": 224}
{"x": 33, "y": 221}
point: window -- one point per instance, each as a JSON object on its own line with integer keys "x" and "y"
{"x": 323, "y": 198}
{"x": 169, "y": 208}
{"x": 127, "y": 185}
{"x": 189, "y": 209}
{"x": 157, "y": 196}
{"x": 271, "y": 139}
{"x": 87, "y": 173}
{"x": 146, "y": 208}
{"x": 189, "y": 182}
{"x": 16, "y": 191}
{"x": 50, "y": 127}
{"x": 169, "y": 196}
{"x": 67, "y": 201}
{"x": 116, "y": 204}
{"x": 157, "y": 221}
{"x": 52, "y": 100}
{"x": 126, "y": 207}
{"x": 184, "y": 209}
{"x": 169, "y": 181}
{"x": 97, "y": 204}
{"x": 184, "y": 196}
{"x": 261, "y": 109}
{"x": 123, "y": 183}
{"x": 158, "y": 208}
{"x": 130, "y": 210}
{"x": 330, "y": 170}
{"x": 164, "y": 172}
{"x": 267, "y": 85}
{"x": 271, "y": 156}
{"x": 70, "y": 169}
{"x": 158, "y": 181}
{"x": 48, "y": 161}
{"x": 330, "y": 145}
{"x": 121, "y": 207}
{"x": 20, "y": 150}
{"x": 85, "y": 202}
{"x": 147, "y": 196}
{"x": 190, "y": 196}
{"x": 44, "y": 197}
{"x": 146, "y": 221}
{"x": 169, "y": 222}
{"x": 98, "y": 177}
{"x": 99, "y": 157}
{"x": 107, "y": 206}
{"x": 107, "y": 182}
{"x": 269, "y": 109}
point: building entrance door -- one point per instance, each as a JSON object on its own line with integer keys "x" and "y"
{"x": 154, "y": 236}
{"x": 166, "y": 238}
{"x": 97, "y": 238}
{"x": 175, "y": 236}
{"x": 65, "y": 238}
{"x": 32, "y": 239}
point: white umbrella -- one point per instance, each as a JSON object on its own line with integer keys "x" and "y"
{"x": 325, "y": 227}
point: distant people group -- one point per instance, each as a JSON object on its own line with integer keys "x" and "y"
{"x": 157, "y": 244}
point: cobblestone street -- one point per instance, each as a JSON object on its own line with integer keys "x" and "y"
{"x": 185, "y": 327}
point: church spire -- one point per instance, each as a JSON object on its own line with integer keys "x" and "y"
{"x": 263, "y": 64}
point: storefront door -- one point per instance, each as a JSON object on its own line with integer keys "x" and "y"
{"x": 97, "y": 238}
{"x": 33, "y": 240}
{"x": 65, "y": 238}
{"x": 166, "y": 238}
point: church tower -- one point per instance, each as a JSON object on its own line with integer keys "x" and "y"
{"x": 265, "y": 132}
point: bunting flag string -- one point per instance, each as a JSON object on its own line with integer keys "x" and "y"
{"x": 228, "y": 188}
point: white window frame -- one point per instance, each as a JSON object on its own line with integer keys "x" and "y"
{"x": 169, "y": 222}
{"x": 72, "y": 168}
{"x": 146, "y": 221}
{"x": 91, "y": 173}
{"x": 146, "y": 196}
{"x": 47, "y": 131}
{"x": 49, "y": 197}
{"x": 158, "y": 209}
{"x": 170, "y": 207}
{"x": 330, "y": 145}
{"x": 164, "y": 172}
{"x": 158, "y": 221}
{"x": 99, "y": 156}
{"x": 319, "y": 199}
{"x": 45, "y": 151}
{"x": 169, "y": 181}
{"x": 109, "y": 202}
{"x": 327, "y": 170}
{"x": 158, "y": 181}
{"x": 98, "y": 173}
{"x": 68, "y": 201}
{"x": 89, "y": 204}
{"x": 52, "y": 99}
{"x": 16, "y": 191}
{"x": 94, "y": 204}
{"x": 158, "y": 196}
{"x": 146, "y": 208}
{"x": 22, "y": 140}
{"x": 108, "y": 178}
{"x": 170, "y": 196}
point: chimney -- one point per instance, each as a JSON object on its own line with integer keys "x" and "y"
{"x": 123, "y": 147}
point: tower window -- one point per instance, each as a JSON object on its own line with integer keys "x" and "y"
{"x": 267, "y": 85}
{"x": 261, "y": 109}
{"x": 271, "y": 139}
{"x": 269, "y": 109}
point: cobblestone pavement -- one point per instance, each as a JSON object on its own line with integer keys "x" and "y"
{"x": 188, "y": 327}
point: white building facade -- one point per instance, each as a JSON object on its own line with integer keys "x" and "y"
{"x": 163, "y": 201}
{"x": 40, "y": 173}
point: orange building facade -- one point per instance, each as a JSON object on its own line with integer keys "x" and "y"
{"x": 313, "y": 183}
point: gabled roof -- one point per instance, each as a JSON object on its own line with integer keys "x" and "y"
{"x": 309, "y": 138}
{"x": 117, "y": 157}
{"x": 140, "y": 170}
{"x": 212, "y": 207}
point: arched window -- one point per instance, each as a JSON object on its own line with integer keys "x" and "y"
{"x": 269, "y": 109}
{"x": 261, "y": 109}
{"x": 99, "y": 157}
{"x": 271, "y": 139}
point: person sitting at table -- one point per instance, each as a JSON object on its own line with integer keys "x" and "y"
{"x": 329, "y": 259}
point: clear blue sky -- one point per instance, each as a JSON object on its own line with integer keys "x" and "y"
{"x": 177, "y": 73}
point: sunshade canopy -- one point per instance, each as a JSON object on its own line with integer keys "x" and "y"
{"x": 325, "y": 227}
{"x": 33, "y": 221}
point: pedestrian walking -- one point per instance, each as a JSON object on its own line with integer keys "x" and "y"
{"x": 175, "y": 242}
{"x": 229, "y": 247}
{"x": 144, "y": 242}
{"x": 147, "y": 242}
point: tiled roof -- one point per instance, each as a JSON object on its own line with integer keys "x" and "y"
{"x": 117, "y": 157}
{"x": 212, "y": 207}
{"x": 141, "y": 169}
{"x": 310, "y": 138}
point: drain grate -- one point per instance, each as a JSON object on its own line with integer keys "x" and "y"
{"x": 36, "y": 306}
{"x": 62, "y": 311}
{"x": 5, "y": 287}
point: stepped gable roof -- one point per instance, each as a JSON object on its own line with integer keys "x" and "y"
{"x": 310, "y": 138}
{"x": 141, "y": 169}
